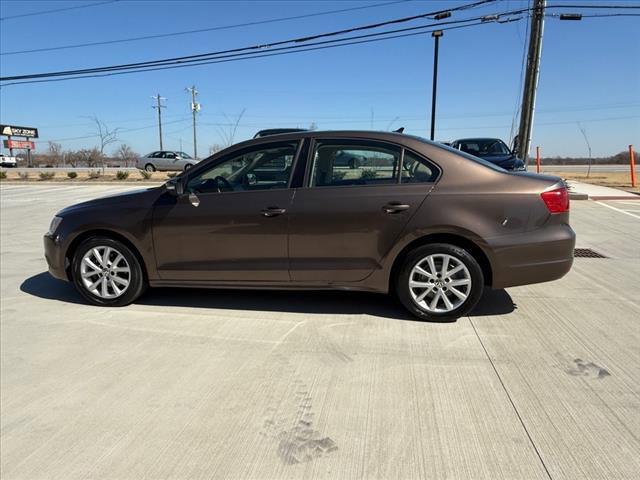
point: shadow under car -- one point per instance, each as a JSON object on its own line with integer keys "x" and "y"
{"x": 43, "y": 285}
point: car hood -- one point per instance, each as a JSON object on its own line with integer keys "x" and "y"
{"x": 140, "y": 198}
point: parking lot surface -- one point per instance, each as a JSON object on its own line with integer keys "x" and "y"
{"x": 541, "y": 381}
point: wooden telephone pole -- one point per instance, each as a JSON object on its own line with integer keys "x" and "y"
{"x": 159, "y": 107}
{"x": 523, "y": 140}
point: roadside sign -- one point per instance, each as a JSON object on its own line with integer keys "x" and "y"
{"x": 20, "y": 144}
{"x": 12, "y": 130}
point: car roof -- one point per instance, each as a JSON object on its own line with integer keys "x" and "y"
{"x": 371, "y": 134}
{"x": 408, "y": 141}
{"x": 477, "y": 139}
{"x": 277, "y": 131}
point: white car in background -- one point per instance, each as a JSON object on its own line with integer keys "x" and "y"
{"x": 165, "y": 160}
{"x": 8, "y": 162}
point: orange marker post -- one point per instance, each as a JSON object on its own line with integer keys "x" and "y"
{"x": 632, "y": 164}
{"x": 538, "y": 159}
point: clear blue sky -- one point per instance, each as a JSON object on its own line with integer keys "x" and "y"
{"x": 590, "y": 74}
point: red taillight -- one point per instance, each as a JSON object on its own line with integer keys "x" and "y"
{"x": 557, "y": 200}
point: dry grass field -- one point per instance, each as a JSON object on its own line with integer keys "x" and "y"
{"x": 621, "y": 180}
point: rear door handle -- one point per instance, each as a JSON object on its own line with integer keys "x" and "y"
{"x": 273, "y": 211}
{"x": 395, "y": 207}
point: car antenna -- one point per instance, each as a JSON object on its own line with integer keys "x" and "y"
{"x": 400, "y": 130}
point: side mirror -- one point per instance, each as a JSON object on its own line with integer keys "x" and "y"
{"x": 175, "y": 187}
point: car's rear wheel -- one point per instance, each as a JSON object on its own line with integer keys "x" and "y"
{"x": 439, "y": 282}
{"x": 149, "y": 167}
{"x": 107, "y": 273}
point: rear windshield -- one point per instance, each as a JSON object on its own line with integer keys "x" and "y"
{"x": 479, "y": 160}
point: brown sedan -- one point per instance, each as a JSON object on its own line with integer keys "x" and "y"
{"x": 432, "y": 224}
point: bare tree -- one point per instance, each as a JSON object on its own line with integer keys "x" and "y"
{"x": 313, "y": 126}
{"x": 55, "y": 153}
{"x": 72, "y": 158}
{"x": 216, "y": 147}
{"x": 105, "y": 135}
{"x": 228, "y": 136}
{"x": 126, "y": 154}
{"x": 584, "y": 134}
{"x": 90, "y": 157}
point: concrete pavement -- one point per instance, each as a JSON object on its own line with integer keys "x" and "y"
{"x": 541, "y": 381}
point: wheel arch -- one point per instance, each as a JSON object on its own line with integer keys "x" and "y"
{"x": 452, "y": 239}
{"x": 73, "y": 246}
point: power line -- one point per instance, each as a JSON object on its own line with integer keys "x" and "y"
{"x": 246, "y": 49}
{"x": 247, "y": 52}
{"x": 598, "y": 15}
{"x": 120, "y": 130}
{"x": 56, "y": 10}
{"x": 202, "y": 30}
{"x": 240, "y": 57}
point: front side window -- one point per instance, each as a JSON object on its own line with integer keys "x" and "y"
{"x": 346, "y": 163}
{"x": 417, "y": 170}
{"x": 250, "y": 170}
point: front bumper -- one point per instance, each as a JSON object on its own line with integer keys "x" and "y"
{"x": 54, "y": 254}
{"x": 540, "y": 256}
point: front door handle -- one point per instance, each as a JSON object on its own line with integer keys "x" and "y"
{"x": 395, "y": 207}
{"x": 273, "y": 211}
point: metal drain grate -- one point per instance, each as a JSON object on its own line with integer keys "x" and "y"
{"x": 587, "y": 253}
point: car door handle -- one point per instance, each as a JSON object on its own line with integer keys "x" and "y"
{"x": 394, "y": 207}
{"x": 273, "y": 211}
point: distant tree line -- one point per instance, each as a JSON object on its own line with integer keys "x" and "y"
{"x": 55, "y": 156}
{"x": 617, "y": 159}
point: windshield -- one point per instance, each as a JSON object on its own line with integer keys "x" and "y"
{"x": 483, "y": 146}
{"x": 184, "y": 155}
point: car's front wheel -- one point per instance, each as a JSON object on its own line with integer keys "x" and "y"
{"x": 439, "y": 282}
{"x": 107, "y": 273}
{"x": 187, "y": 167}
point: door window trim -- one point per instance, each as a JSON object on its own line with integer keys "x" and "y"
{"x": 382, "y": 143}
{"x": 429, "y": 162}
{"x": 195, "y": 171}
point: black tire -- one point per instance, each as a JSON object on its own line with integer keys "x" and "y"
{"x": 187, "y": 167}
{"x": 137, "y": 283}
{"x": 149, "y": 167}
{"x": 417, "y": 256}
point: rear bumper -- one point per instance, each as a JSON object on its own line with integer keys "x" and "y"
{"x": 540, "y": 256}
{"x": 54, "y": 255}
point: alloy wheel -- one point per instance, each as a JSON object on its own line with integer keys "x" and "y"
{"x": 439, "y": 283}
{"x": 105, "y": 272}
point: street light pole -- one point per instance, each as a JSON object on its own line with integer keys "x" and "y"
{"x": 436, "y": 35}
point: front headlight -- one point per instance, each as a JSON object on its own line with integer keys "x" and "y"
{"x": 55, "y": 223}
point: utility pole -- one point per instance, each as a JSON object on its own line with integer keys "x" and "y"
{"x": 523, "y": 140}
{"x": 195, "y": 108}
{"x": 436, "y": 35}
{"x": 159, "y": 107}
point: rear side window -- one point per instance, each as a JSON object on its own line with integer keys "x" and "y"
{"x": 349, "y": 162}
{"x": 416, "y": 169}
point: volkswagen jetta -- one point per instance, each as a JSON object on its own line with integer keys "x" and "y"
{"x": 429, "y": 223}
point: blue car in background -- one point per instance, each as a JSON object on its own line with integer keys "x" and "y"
{"x": 493, "y": 150}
